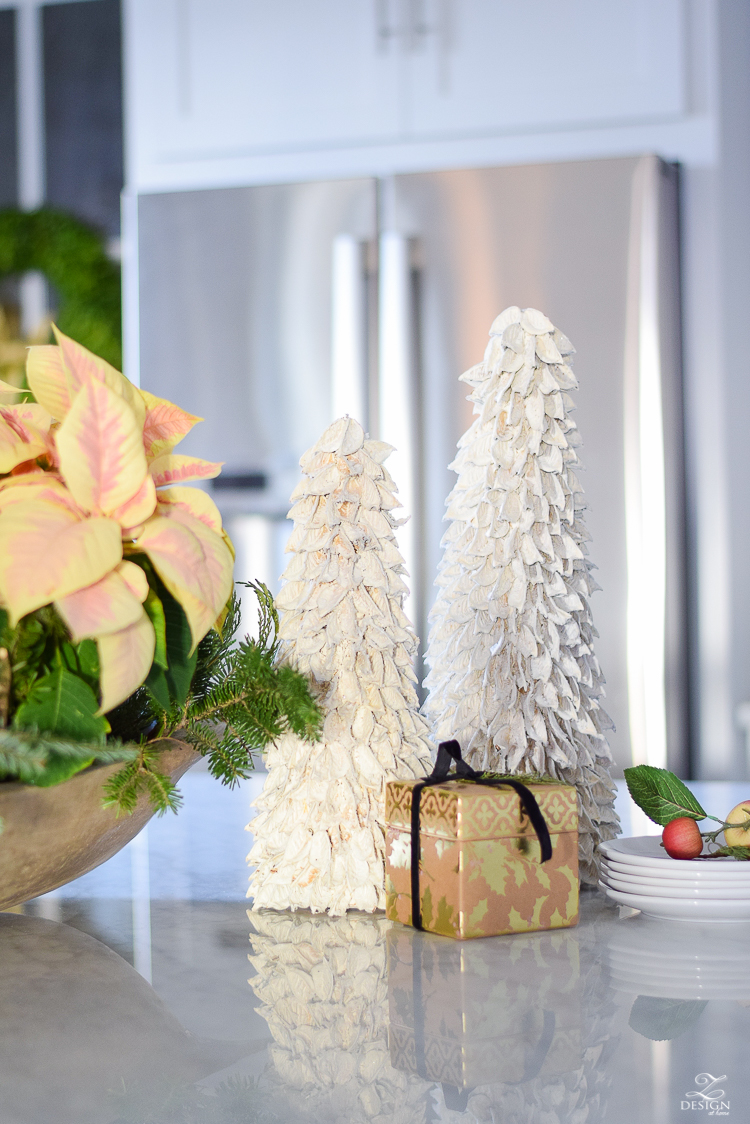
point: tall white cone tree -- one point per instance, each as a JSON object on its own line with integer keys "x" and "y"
{"x": 319, "y": 834}
{"x": 513, "y": 673}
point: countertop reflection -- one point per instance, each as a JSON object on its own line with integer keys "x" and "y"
{"x": 170, "y": 1010}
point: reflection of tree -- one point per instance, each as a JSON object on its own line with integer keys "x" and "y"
{"x": 323, "y": 988}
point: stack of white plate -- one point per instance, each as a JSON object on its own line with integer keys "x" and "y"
{"x": 639, "y": 873}
{"x": 674, "y": 961}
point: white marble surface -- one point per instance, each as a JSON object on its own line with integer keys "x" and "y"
{"x": 614, "y": 1021}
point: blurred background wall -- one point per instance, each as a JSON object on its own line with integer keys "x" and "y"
{"x": 218, "y": 98}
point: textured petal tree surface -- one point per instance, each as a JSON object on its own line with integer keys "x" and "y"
{"x": 319, "y": 832}
{"x": 513, "y": 674}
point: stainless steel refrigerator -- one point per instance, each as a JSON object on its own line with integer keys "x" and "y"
{"x": 269, "y": 310}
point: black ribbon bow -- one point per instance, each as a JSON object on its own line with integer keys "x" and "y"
{"x": 451, "y": 751}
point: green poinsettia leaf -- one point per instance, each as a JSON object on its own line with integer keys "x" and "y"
{"x": 88, "y": 660}
{"x": 158, "y": 687}
{"x": 181, "y": 664}
{"x": 155, "y": 612}
{"x": 173, "y": 668}
{"x": 661, "y": 795}
{"x": 59, "y": 769}
{"x": 61, "y": 703}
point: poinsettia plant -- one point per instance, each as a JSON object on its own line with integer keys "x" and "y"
{"x": 117, "y": 611}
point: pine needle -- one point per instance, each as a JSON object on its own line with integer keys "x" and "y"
{"x": 241, "y": 699}
{"x": 25, "y": 753}
{"x": 140, "y": 776}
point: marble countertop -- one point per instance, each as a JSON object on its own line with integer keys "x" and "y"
{"x": 129, "y": 998}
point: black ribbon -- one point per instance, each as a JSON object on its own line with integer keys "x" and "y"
{"x": 451, "y": 751}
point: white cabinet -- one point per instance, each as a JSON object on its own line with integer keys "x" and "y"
{"x": 480, "y": 66}
{"x": 221, "y": 79}
{"x": 225, "y": 92}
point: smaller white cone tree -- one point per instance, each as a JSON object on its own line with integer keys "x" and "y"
{"x": 513, "y": 674}
{"x": 319, "y": 835}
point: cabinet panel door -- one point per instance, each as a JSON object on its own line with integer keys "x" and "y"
{"x": 496, "y": 65}
{"x": 223, "y": 78}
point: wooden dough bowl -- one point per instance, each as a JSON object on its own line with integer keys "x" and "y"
{"x": 52, "y": 835}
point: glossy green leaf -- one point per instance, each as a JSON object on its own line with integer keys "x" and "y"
{"x": 661, "y": 795}
{"x": 181, "y": 664}
{"x": 155, "y": 612}
{"x": 59, "y": 769}
{"x": 88, "y": 660}
{"x": 158, "y": 687}
{"x": 62, "y": 703}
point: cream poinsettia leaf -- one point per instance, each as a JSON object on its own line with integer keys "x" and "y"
{"x": 48, "y": 380}
{"x": 104, "y": 607}
{"x": 137, "y": 509}
{"x": 164, "y": 426}
{"x": 102, "y": 460}
{"x": 125, "y": 658}
{"x": 192, "y": 561}
{"x": 81, "y": 366}
{"x": 195, "y": 502}
{"x": 174, "y": 468}
{"x": 47, "y": 551}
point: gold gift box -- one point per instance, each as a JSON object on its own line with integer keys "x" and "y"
{"x": 474, "y": 1014}
{"x": 480, "y": 873}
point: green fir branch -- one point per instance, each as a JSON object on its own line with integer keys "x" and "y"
{"x": 229, "y": 760}
{"x": 24, "y": 754}
{"x": 141, "y": 776}
{"x": 240, "y": 699}
{"x": 242, "y": 689}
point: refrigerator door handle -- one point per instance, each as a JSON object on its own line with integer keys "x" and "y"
{"x": 397, "y": 391}
{"x": 349, "y": 392}
{"x": 645, "y": 498}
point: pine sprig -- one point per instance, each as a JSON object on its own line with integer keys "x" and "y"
{"x": 229, "y": 759}
{"x": 24, "y": 754}
{"x": 141, "y": 776}
{"x": 242, "y": 698}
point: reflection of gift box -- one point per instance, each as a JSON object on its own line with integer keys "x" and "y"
{"x": 476, "y": 1014}
{"x": 480, "y": 859}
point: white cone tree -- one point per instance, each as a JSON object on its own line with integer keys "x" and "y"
{"x": 513, "y": 674}
{"x": 319, "y": 834}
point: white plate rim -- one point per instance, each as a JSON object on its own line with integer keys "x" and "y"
{"x": 613, "y": 853}
{"x": 641, "y": 877}
{"x": 668, "y": 909}
{"x": 686, "y": 893}
{"x": 699, "y": 873}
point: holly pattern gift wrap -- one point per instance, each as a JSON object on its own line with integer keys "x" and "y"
{"x": 480, "y": 872}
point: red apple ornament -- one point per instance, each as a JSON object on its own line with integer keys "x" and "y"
{"x": 682, "y": 838}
